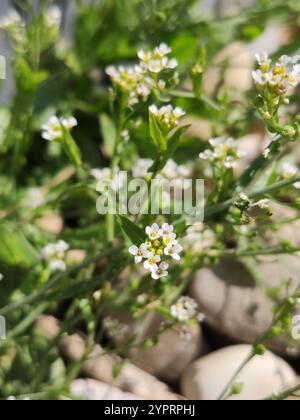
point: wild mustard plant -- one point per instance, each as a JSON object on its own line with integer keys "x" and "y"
{"x": 122, "y": 97}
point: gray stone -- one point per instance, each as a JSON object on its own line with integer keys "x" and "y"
{"x": 93, "y": 390}
{"x": 207, "y": 378}
{"x": 236, "y": 306}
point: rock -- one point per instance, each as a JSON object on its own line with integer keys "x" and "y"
{"x": 51, "y": 222}
{"x": 101, "y": 366}
{"x": 92, "y": 390}
{"x": 237, "y": 76}
{"x": 199, "y": 128}
{"x": 175, "y": 350}
{"x": 77, "y": 255}
{"x": 295, "y": 395}
{"x": 206, "y": 378}
{"x": 236, "y": 306}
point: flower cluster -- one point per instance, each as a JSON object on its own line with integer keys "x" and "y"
{"x": 279, "y": 77}
{"x": 54, "y": 128}
{"x": 34, "y": 198}
{"x": 156, "y": 61}
{"x": 118, "y": 178}
{"x": 55, "y": 255}
{"x": 171, "y": 170}
{"x": 167, "y": 117}
{"x": 137, "y": 82}
{"x": 53, "y": 16}
{"x": 142, "y": 168}
{"x": 184, "y": 309}
{"x": 161, "y": 243}
{"x": 11, "y": 20}
{"x": 225, "y": 151}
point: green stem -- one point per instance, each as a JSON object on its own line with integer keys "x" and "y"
{"x": 283, "y": 395}
{"x": 224, "y": 395}
{"x": 217, "y": 208}
{"x": 56, "y": 279}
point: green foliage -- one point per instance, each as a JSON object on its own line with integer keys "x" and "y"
{"x": 47, "y": 193}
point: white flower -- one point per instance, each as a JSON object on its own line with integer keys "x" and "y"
{"x": 154, "y": 232}
{"x": 289, "y": 170}
{"x": 132, "y": 81}
{"x": 101, "y": 174}
{"x": 141, "y": 168}
{"x": 1, "y": 277}
{"x": 163, "y": 50}
{"x": 152, "y": 261}
{"x": 207, "y": 155}
{"x": 53, "y": 129}
{"x": 48, "y": 251}
{"x": 55, "y": 254}
{"x": 57, "y": 265}
{"x": 178, "y": 113}
{"x": 158, "y": 272}
{"x": 139, "y": 253}
{"x": 225, "y": 151}
{"x": 35, "y": 198}
{"x": 144, "y": 56}
{"x": 166, "y": 229}
{"x": 104, "y": 176}
{"x": 168, "y": 234}
{"x": 263, "y": 59}
{"x": 154, "y": 110}
{"x": 53, "y": 16}
{"x": 11, "y": 20}
{"x": 62, "y": 247}
{"x": 137, "y": 82}
{"x": 69, "y": 123}
{"x": 155, "y": 66}
{"x": 169, "y": 239}
{"x": 279, "y": 77}
{"x": 170, "y": 64}
{"x": 184, "y": 309}
{"x": 167, "y": 116}
{"x": 174, "y": 250}
{"x": 125, "y": 135}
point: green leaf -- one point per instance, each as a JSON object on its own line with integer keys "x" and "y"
{"x": 156, "y": 134}
{"x": 15, "y": 250}
{"x": 131, "y": 230}
{"x": 172, "y": 145}
{"x": 71, "y": 149}
{"x": 197, "y": 72}
{"x": 109, "y": 133}
{"x": 260, "y": 164}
